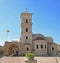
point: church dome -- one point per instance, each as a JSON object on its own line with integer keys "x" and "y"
{"x": 38, "y": 37}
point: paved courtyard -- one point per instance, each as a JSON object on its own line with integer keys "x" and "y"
{"x": 22, "y": 59}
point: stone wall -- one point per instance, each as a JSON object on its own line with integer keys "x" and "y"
{"x": 40, "y": 50}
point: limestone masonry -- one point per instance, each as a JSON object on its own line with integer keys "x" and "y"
{"x": 35, "y": 43}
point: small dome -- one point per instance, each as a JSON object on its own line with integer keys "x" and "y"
{"x": 39, "y": 37}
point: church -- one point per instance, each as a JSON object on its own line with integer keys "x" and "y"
{"x": 38, "y": 44}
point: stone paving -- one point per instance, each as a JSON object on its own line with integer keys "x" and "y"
{"x": 22, "y": 59}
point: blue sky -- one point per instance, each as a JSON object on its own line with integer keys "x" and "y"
{"x": 45, "y": 18}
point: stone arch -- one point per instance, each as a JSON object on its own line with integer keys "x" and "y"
{"x": 12, "y": 48}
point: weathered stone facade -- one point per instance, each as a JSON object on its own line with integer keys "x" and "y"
{"x": 36, "y": 43}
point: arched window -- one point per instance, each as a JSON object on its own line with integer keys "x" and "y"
{"x": 27, "y": 49}
{"x": 26, "y": 37}
{"x": 41, "y": 46}
{"x": 26, "y": 29}
{"x": 52, "y": 48}
{"x": 26, "y": 20}
{"x": 37, "y": 46}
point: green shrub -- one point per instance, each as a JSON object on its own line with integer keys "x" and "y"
{"x": 30, "y": 56}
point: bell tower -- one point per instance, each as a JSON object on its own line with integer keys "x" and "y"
{"x": 26, "y": 27}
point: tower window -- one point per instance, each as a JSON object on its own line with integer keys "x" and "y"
{"x": 26, "y": 37}
{"x": 26, "y": 29}
{"x": 26, "y": 20}
{"x": 37, "y": 46}
{"x": 52, "y": 48}
{"x": 41, "y": 46}
{"x": 27, "y": 49}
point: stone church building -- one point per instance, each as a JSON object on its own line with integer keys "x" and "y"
{"x": 38, "y": 44}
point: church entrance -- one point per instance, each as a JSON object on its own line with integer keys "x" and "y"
{"x": 13, "y": 50}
